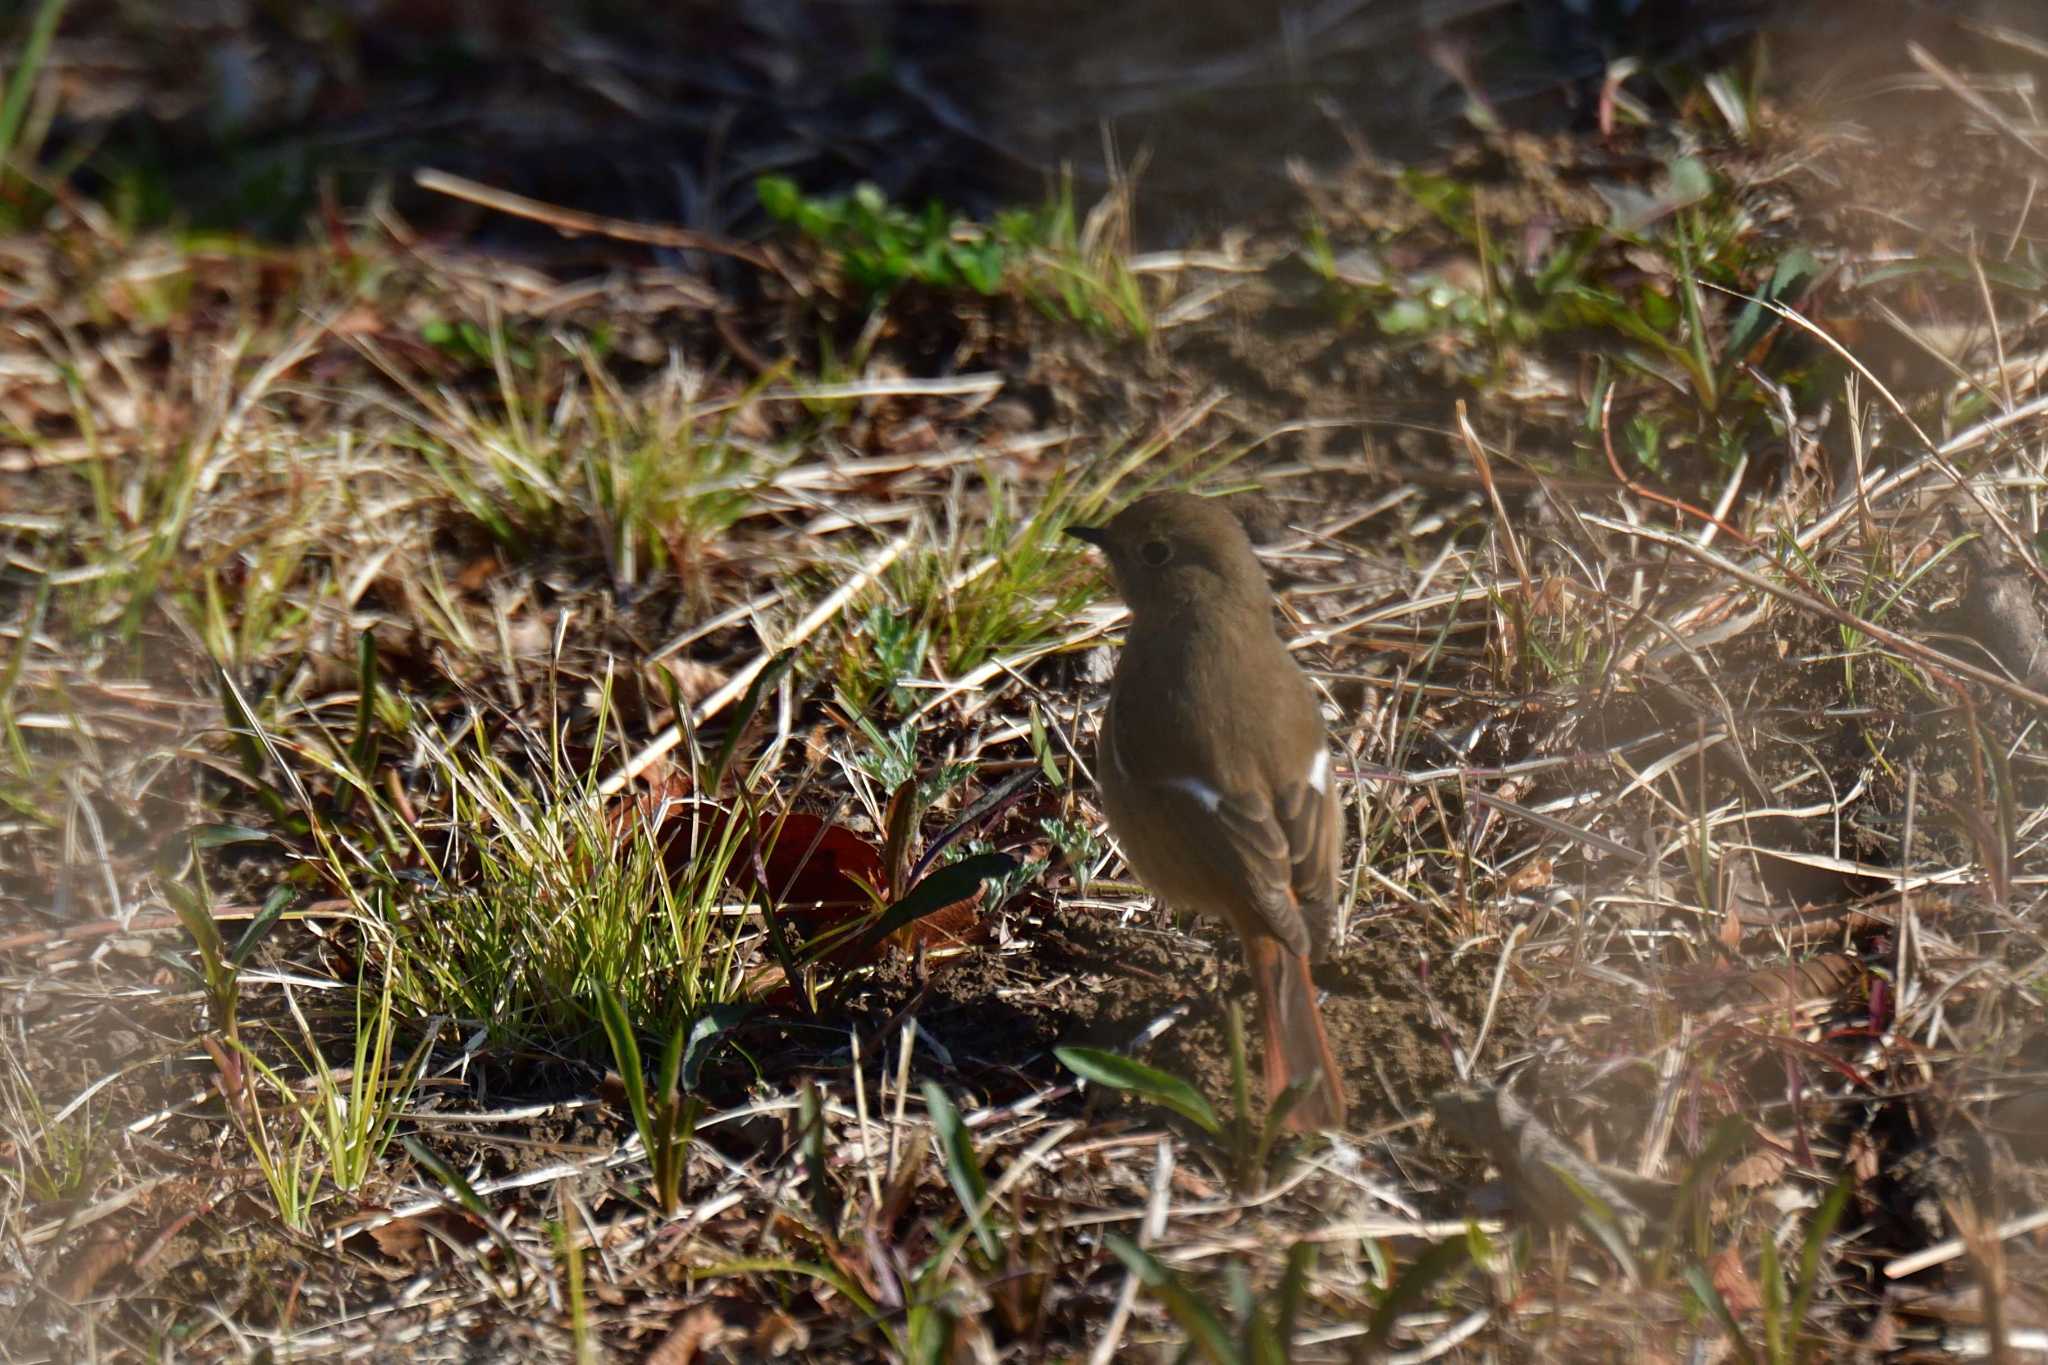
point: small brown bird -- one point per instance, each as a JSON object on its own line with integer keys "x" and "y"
{"x": 1215, "y": 768}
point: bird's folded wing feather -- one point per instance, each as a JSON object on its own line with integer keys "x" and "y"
{"x": 1241, "y": 841}
{"x": 1306, "y": 813}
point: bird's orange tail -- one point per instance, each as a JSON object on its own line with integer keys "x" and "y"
{"x": 1296, "y": 1046}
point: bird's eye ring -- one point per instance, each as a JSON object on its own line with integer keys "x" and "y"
{"x": 1155, "y": 552}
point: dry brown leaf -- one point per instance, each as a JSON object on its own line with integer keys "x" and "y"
{"x": 1732, "y": 1282}
{"x": 691, "y": 1335}
{"x": 361, "y": 320}
{"x": 400, "y": 1239}
{"x": 694, "y": 680}
{"x": 1533, "y": 875}
{"x": 91, "y": 1263}
{"x": 778, "y": 1334}
{"x": 478, "y": 572}
{"x": 1764, "y": 1166}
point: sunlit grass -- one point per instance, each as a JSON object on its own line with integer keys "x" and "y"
{"x": 540, "y": 897}
{"x": 559, "y": 449}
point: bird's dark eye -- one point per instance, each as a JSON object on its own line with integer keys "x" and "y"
{"x": 1155, "y": 552}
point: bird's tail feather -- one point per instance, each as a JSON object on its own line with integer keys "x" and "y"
{"x": 1296, "y": 1046}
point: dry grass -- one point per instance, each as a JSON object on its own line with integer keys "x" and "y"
{"x": 420, "y": 675}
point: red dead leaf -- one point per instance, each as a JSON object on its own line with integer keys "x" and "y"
{"x": 818, "y": 876}
{"x": 1737, "y": 1290}
{"x": 947, "y": 928}
{"x": 807, "y": 862}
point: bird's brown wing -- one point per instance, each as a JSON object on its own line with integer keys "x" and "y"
{"x": 1217, "y": 853}
{"x": 1307, "y": 817}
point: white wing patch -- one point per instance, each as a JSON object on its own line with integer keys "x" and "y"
{"x": 1319, "y": 772}
{"x": 1211, "y": 799}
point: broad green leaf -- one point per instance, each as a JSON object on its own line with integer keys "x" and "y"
{"x": 951, "y": 884}
{"x": 1205, "y": 1331}
{"x": 1119, "y": 1072}
{"x": 274, "y": 905}
{"x": 962, "y": 1168}
{"x": 1412, "y": 1288}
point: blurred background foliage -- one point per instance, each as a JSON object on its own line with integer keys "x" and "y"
{"x": 260, "y": 115}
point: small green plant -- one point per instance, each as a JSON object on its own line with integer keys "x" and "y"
{"x": 1787, "y": 1340}
{"x": 279, "y": 1139}
{"x": 1673, "y": 323}
{"x": 463, "y": 340}
{"x": 63, "y": 1164}
{"x": 1064, "y": 264}
{"x": 354, "y": 1114}
{"x": 61, "y": 1158}
{"x": 1247, "y": 1139}
{"x": 220, "y": 967}
{"x": 665, "y": 1120}
{"x": 350, "y": 1115}
{"x": 881, "y": 245}
{"x": 1265, "y": 1325}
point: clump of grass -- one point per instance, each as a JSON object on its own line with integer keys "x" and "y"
{"x": 996, "y": 582}
{"x": 539, "y": 898}
{"x": 59, "y": 1160}
{"x": 658, "y": 472}
{"x": 979, "y": 587}
{"x": 335, "y": 1126}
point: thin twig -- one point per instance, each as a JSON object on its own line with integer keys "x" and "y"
{"x": 576, "y": 223}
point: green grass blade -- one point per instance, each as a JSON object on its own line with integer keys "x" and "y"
{"x": 362, "y": 750}
{"x": 618, "y": 1030}
{"x": 28, "y": 68}
{"x": 1413, "y": 1286}
{"x": 1817, "y": 1234}
{"x": 451, "y": 1179}
{"x": 743, "y": 716}
{"x": 705, "y": 1032}
{"x": 1127, "y": 1074}
{"x": 963, "y": 1169}
{"x": 274, "y": 906}
{"x": 1205, "y": 1331}
{"x": 1703, "y": 1289}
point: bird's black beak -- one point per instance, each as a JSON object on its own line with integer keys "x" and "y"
{"x": 1093, "y": 535}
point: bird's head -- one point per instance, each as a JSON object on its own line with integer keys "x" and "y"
{"x": 1170, "y": 551}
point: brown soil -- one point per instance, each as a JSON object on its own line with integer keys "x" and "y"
{"x": 1398, "y": 1001}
